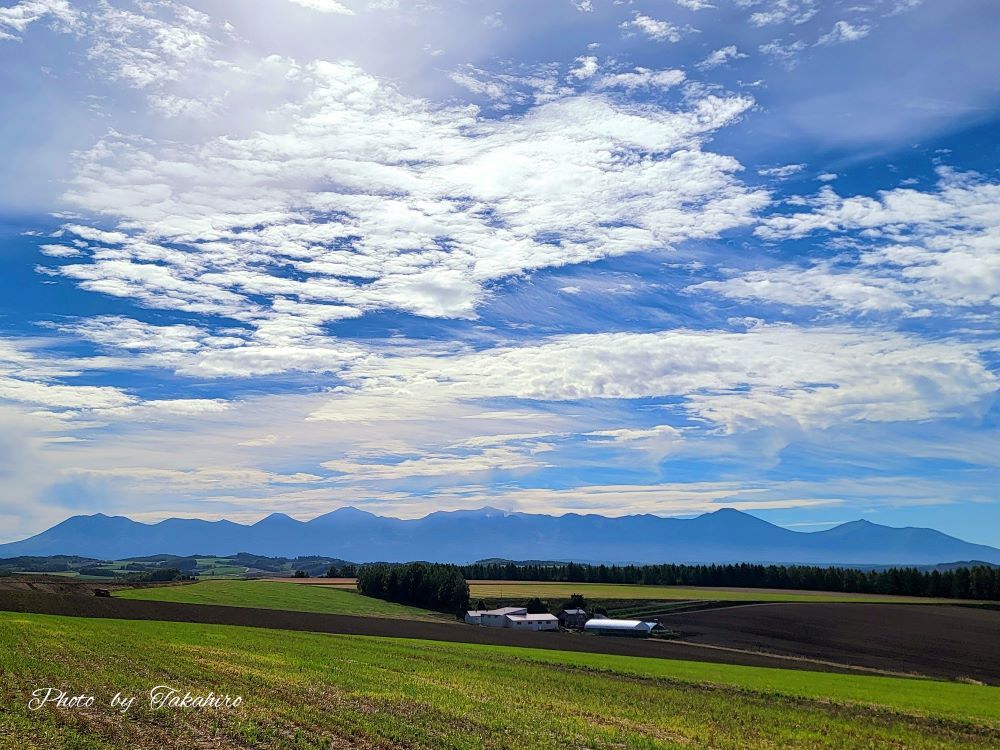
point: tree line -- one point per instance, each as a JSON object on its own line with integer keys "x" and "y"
{"x": 979, "y": 582}
{"x": 428, "y": 585}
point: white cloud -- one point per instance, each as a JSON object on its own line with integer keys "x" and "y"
{"x": 489, "y": 88}
{"x": 914, "y": 249}
{"x": 15, "y": 19}
{"x": 642, "y": 78}
{"x": 660, "y": 434}
{"x": 827, "y": 176}
{"x": 719, "y": 57}
{"x": 783, "y": 171}
{"x": 202, "y": 478}
{"x": 767, "y": 375}
{"x": 772, "y": 12}
{"x": 695, "y": 4}
{"x": 325, "y": 6}
{"x": 818, "y": 286}
{"x": 583, "y": 6}
{"x": 657, "y": 30}
{"x": 368, "y": 199}
{"x": 787, "y": 54}
{"x": 488, "y": 459}
{"x": 59, "y": 251}
{"x": 585, "y": 67}
{"x": 843, "y": 31}
{"x": 144, "y": 50}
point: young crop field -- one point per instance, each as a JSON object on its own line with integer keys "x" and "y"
{"x": 623, "y": 592}
{"x": 274, "y": 595}
{"x": 304, "y": 690}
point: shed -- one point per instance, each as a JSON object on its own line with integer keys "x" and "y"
{"x": 573, "y": 618}
{"x": 474, "y": 616}
{"x": 627, "y": 628}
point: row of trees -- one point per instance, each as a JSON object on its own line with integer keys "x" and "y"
{"x": 976, "y": 582}
{"x": 429, "y": 585}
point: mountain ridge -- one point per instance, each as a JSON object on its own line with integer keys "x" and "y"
{"x": 723, "y": 536}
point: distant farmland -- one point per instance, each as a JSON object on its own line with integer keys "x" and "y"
{"x": 621, "y": 592}
{"x": 274, "y": 595}
{"x": 306, "y": 690}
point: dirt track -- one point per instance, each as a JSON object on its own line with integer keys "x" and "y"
{"x": 938, "y": 641}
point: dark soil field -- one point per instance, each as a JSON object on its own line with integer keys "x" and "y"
{"x": 951, "y": 642}
{"x": 943, "y": 642}
{"x": 78, "y": 606}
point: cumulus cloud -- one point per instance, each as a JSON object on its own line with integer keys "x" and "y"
{"x": 720, "y": 57}
{"x": 914, "y": 249}
{"x": 773, "y": 12}
{"x": 144, "y": 49}
{"x": 781, "y": 172}
{"x": 766, "y": 375}
{"x": 642, "y": 78}
{"x": 843, "y": 31}
{"x": 655, "y": 29}
{"x": 786, "y": 54}
{"x": 367, "y": 199}
{"x": 585, "y": 67}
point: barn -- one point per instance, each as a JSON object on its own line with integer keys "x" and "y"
{"x": 626, "y": 628}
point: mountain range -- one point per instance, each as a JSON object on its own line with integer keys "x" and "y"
{"x": 726, "y": 535}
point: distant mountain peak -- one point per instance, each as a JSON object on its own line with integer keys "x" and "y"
{"x": 349, "y": 533}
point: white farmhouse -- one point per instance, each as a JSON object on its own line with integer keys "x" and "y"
{"x": 516, "y": 618}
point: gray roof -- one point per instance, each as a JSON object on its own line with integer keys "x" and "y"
{"x": 505, "y": 611}
{"x": 533, "y": 618}
{"x": 574, "y": 612}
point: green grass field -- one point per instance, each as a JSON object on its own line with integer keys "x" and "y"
{"x": 621, "y": 592}
{"x": 305, "y": 690}
{"x": 273, "y": 595}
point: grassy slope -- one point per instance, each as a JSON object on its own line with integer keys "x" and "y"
{"x": 272, "y": 595}
{"x": 619, "y": 591}
{"x": 308, "y": 691}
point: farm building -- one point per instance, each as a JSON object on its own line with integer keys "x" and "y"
{"x": 533, "y": 622}
{"x": 474, "y": 616}
{"x": 627, "y": 628}
{"x": 573, "y": 618}
{"x": 494, "y": 618}
{"x": 511, "y": 617}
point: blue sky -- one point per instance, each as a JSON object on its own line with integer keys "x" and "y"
{"x": 591, "y": 256}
